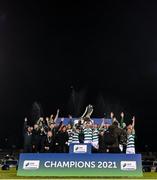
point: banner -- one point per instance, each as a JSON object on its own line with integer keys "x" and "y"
{"x": 95, "y": 120}
{"x": 84, "y": 165}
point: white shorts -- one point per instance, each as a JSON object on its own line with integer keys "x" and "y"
{"x": 75, "y": 142}
{"x": 130, "y": 150}
{"x": 121, "y": 147}
{"x": 95, "y": 145}
{"x": 87, "y": 142}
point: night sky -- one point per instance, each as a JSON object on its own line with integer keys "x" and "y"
{"x": 105, "y": 50}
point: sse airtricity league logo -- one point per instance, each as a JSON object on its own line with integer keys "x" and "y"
{"x": 128, "y": 165}
{"x": 80, "y": 148}
{"x": 31, "y": 164}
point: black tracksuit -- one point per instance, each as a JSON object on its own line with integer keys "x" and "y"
{"x": 36, "y": 140}
{"x": 27, "y": 139}
{"x": 62, "y": 139}
{"x": 48, "y": 142}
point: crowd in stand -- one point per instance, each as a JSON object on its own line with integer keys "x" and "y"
{"x": 49, "y": 137}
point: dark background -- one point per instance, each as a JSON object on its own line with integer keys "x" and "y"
{"x": 105, "y": 50}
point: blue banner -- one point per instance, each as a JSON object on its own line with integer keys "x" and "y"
{"x": 84, "y": 165}
{"x": 96, "y": 120}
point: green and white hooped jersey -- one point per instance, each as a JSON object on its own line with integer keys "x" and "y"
{"x": 75, "y": 137}
{"x": 87, "y": 134}
{"x": 131, "y": 141}
{"x": 70, "y": 133}
{"x": 95, "y": 137}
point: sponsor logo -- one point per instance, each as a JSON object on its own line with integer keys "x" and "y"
{"x": 128, "y": 165}
{"x": 80, "y": 148}
{"x": 31, "y": 164}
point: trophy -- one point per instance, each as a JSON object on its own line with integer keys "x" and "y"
{"x": 85, "y": 118}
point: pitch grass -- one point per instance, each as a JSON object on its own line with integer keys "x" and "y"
{"x": 11, "y": 174}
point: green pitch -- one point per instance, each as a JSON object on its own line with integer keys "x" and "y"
{"x": 11, "y": 174}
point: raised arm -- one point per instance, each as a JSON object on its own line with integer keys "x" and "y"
{"x": 122, "y": 119}
{"x": 102, "y": 124}
{"x": 71, "y": 121}
{"x": 114, "y": 119}
{"x": 60, "y": 124}
{"x": 51, "y": 118}
{"x": 56, "y": 117}
{"x": 133, "y": 122}
{"x": 112, "y": 116}
{"x": 25, "y": 125}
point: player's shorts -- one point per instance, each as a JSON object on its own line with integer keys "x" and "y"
{"x": 130, "y": 150}
{"x": 95, "y": 145}
{"x": 88, "y": 142}
{"x": 75, "y": 142}
{"x": 121, "y": 147}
